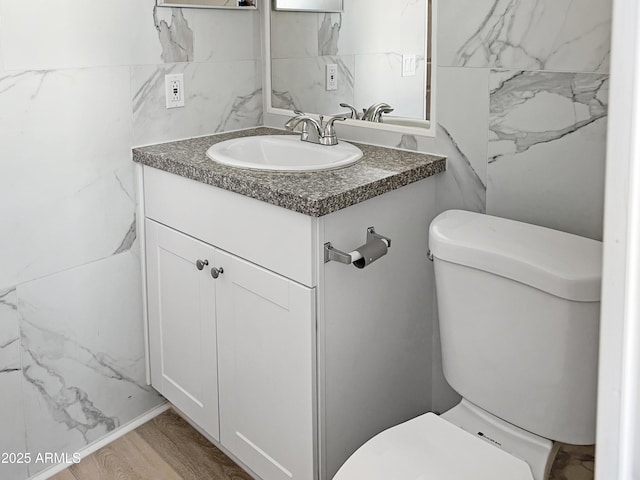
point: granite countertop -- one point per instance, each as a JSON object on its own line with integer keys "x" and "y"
{"x": 311, "y": 193}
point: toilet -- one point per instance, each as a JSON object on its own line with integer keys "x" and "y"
{"x": 518, "y": 307}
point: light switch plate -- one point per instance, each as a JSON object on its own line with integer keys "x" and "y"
{"x": 408, "y": 65}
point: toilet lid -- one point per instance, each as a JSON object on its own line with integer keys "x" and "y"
{"x": 430, "y": 448}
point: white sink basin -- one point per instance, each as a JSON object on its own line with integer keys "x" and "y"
{"x": 283, "y": 153}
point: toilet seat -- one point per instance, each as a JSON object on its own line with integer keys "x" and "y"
{"x": 430, "y": 448}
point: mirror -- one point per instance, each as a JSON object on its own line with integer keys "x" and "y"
{"x": 375, "y": 51}
{"x": 239, "y": 4}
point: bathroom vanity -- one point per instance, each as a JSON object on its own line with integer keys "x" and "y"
{"x": 287, "y": 362}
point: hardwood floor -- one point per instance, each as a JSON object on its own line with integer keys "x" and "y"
{"x": 168, "y": 448}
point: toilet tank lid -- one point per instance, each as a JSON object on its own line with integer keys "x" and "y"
{"x": 562, "y": 264}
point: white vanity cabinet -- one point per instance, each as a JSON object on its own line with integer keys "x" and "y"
{"x": 234, "y": 353}
{"x": 310, "y": 359}
{"x": 181, "y": 302}
{"x": 265, "y": 366}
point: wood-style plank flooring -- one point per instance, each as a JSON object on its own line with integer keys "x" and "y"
{"x": 168, "y": 448}
{"x": 165, "y": 448}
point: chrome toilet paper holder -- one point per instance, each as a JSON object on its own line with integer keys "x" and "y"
{"x": 375, "y": 247}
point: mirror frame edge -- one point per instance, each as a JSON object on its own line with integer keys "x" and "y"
{"x": 284, "y": 115}
{"x": 177, "y": 4}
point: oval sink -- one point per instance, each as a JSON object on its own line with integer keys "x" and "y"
{"x": 283, "y": 153}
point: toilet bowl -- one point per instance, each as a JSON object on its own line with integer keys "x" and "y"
{"x": 518, "y": 309}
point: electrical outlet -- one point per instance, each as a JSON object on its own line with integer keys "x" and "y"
{"x": 332, "y": 76}
{"x": 408, "y": 65}
{"x": 174, "y": 90}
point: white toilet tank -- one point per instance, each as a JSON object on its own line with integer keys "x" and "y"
{"x": 519, "y": 316}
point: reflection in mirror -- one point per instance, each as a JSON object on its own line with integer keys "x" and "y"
{"x": 251, "y": 4}
{"x": 371, "y": 62}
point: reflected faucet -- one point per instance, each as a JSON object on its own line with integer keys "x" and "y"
{"x": 354, "y": 113}
{"x": 374, "y": 112}
{"x": 321, "y": 132}
{"x": 371, "y": 114}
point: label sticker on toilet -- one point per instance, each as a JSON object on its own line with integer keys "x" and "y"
{"x": 489, "y": 439}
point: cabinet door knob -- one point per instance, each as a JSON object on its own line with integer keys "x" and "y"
{"x": 216, "y": 272}
{"x": 200, "y": 264}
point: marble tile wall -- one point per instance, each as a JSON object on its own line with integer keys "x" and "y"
{"x": 547, "y": 137}
{"x": 81, "y": 82}
{"x": 522, "y": 97}
{"x": 12, "y": 438}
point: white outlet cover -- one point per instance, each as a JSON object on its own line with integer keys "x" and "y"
{"x": 174, "y": 90}
{"x": 332, "y": 76}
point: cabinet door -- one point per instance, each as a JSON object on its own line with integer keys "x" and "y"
{"x": 182, "y": 323}
{"x": 266, "y": 359}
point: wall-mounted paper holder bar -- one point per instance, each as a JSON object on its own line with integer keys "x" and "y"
{"x": 375, "y": 247}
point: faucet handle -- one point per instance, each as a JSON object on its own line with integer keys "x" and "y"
{"x": 375, "y": 111}
{"x": 329, "y": 132}
{"x": 300, "y": 118}
{"x": 328, "y": 127}
{"x": 354, "y": 112}
{"x": 383, "y": 109}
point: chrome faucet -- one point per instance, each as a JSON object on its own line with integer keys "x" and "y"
{"x": 371, "y": 114}
{"x": 314, "y": 131}
{"x": 374, "y": 112}
{"x": 354, "y": 113}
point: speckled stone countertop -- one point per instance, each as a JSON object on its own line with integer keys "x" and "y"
{"x": 311, "y": 193}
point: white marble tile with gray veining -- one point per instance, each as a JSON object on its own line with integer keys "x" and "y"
{"x": 12, "y": 436}
{"x": 530, "y": 108}
{"x": 83, "y": 353}
{"x": 408, "y": 142}
{"x": 329, "y": 33}
{"x": 175, "y": 35}
{"x": 9, "y": 333}
{"x": 218, "y": 96}
{"x": 556, "y": 35}
{"x": 547, "y": 138}
{"x": 204, "y": 35}
{"x": 245, "y": 110}
{"x": 220, "y": 35}
{"x": 460, "y": 186}
{"x": 37, "y": 35}
{"x": 294, "y": 34}
{"x": 462, "y": 100}
{"x": 62, "y": 162}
